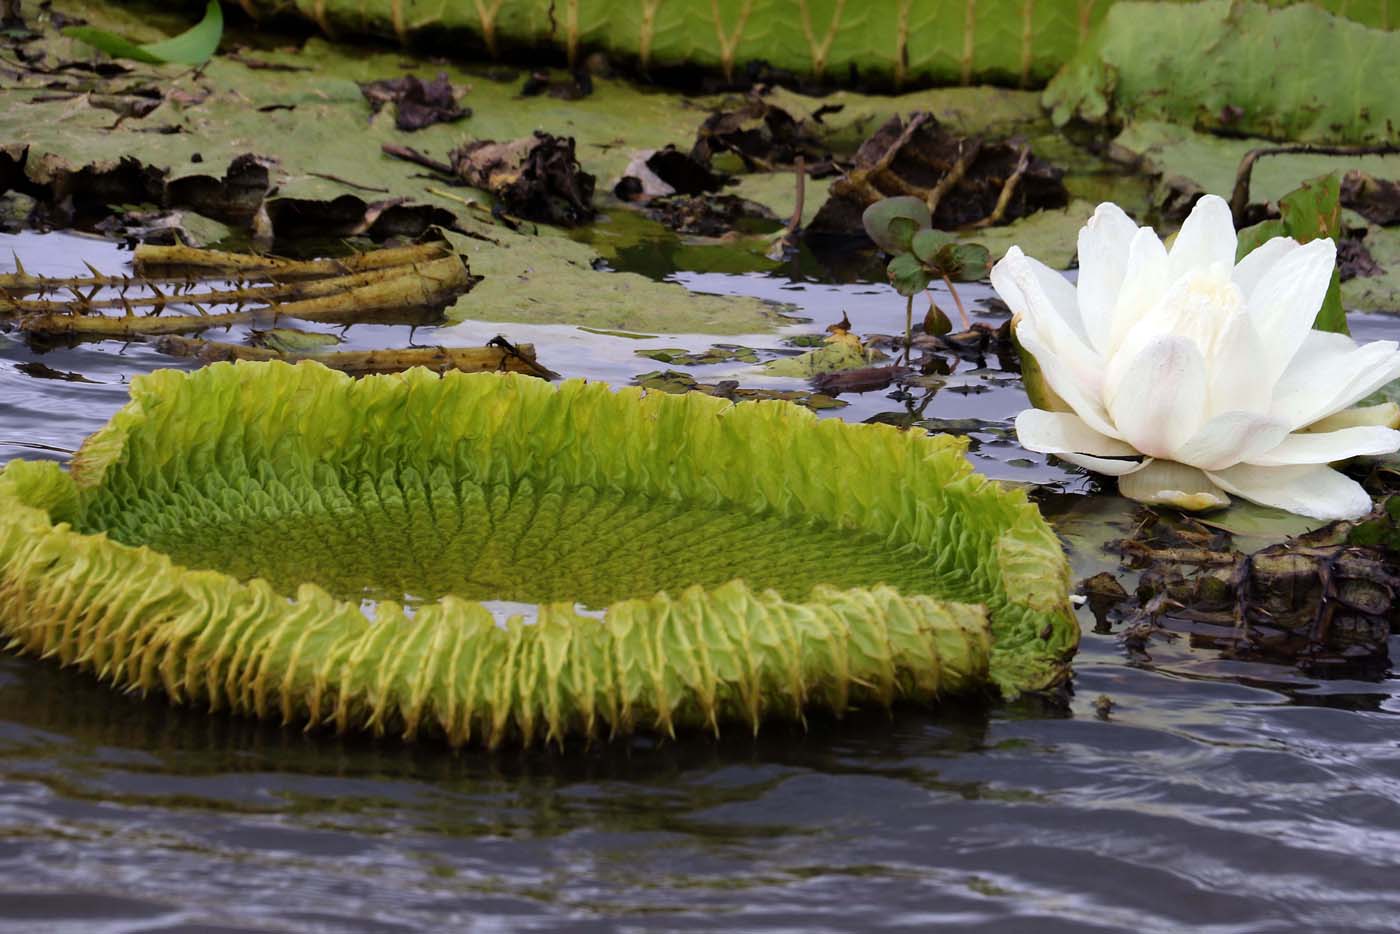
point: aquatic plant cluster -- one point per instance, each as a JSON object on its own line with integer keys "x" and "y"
{"x": 1189, "y": 376}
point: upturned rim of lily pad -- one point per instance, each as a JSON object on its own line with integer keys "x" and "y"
{"x": 233, "y": 439}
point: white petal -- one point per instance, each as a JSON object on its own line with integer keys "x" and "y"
{"x": 1109, "y": 468}
{"x": 1061, "y": 293}
{"x": 1386, "y": 415}
{"x": 1167, "y": 483}
{"x": 1207, "y": 238}
{"x": 1061, "y": 376}
{"x": 1331, "y": 373}
{"x": 1237, "y": 370}
{"x": 1328, "y": 446}
{"x": 1160, "y": 401}
{"x": 1066, "y": 433}
{"x": 1257, "y": 266}
{"x": 1285, "y": 305}
{"x": 1316, "y": 491}
{"x": 1024, "y": 289}
{"x": 1231, "y": 438}
{"x": 1103, "y": 258}
{"x": 1144, "y": 282}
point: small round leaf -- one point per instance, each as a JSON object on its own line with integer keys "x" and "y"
{"x": 965, "y": 262}
{"x": 907, "y": 275}
{"x": 927, "y": 244}
{"x": 893, "y": 222}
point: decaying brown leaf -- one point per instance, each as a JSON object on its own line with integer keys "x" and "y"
{"x": 535, "y": 177}
{"x": 765, "y": 137}
{"x": 1376, "y": 199}
{"x": 417, "y": 103}
{"x": 710, "y": 215}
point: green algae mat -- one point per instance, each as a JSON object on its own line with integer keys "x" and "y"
{"x": 695, "y": 563}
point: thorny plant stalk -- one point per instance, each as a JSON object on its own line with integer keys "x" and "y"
{"x": 967, "y": 322}
{"x": 908, "y": 327}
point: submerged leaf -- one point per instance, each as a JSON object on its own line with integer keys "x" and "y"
{"x": 842, "y": 350}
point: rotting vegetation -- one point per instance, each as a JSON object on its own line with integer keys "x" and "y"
{"x": 1324, "y": 601}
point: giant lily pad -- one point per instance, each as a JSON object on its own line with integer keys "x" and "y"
{"x": 216, "y": 540}
{"x": 1244, "y": 67}
{"x": 890, "y": 41}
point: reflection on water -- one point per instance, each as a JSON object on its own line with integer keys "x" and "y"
{"x": 1216, "y": 795}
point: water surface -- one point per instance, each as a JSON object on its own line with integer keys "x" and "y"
{"x": 1215, "y": 796}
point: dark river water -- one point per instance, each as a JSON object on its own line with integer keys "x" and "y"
{"x": 1215, "y": 796}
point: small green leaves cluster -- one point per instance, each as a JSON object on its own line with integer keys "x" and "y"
{"x": 920, "y": 254}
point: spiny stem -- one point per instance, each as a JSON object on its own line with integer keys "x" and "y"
{"x": 908, "y": 327}
{"x": 967, "y": 322}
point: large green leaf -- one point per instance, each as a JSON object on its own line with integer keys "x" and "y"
{"x": 1295, "y": 73}
{"x": 194, "y": 47}
{"x": 217, "y": 539}
{"x": 899, "y": 42}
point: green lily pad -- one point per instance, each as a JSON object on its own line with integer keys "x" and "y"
{"x": 1050, "y": 236}
{"x": 1380, "y": 292}
{"x": 1201, "y": 162}
{"x": 720, "y": 353}
{"x": 1297, "y": 73}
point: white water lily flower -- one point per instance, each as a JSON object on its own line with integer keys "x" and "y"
{"x": 1188, "y": 376}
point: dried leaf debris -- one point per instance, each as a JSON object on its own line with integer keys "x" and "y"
{"x": 1325, "y": 601}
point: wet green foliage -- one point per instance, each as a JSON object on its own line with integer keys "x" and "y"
{"x": 1381, "y": 529}
{"x": 193, "y": 47}
{"x": 1217, "y": 65}
{"x": 214, "y": 542}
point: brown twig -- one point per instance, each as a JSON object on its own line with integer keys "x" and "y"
{"x": 409, "y": 154}
{"x": 1007, "y": 190}
{"x": 345, "y": 181}
{"x": 953, "y": 175}
{"x": 967, "y": 322}
{"x": 787, "y": 239}
{"x": 861, "y": 177}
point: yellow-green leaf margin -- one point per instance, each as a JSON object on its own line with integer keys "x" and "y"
{"x": 807, "y": 564}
